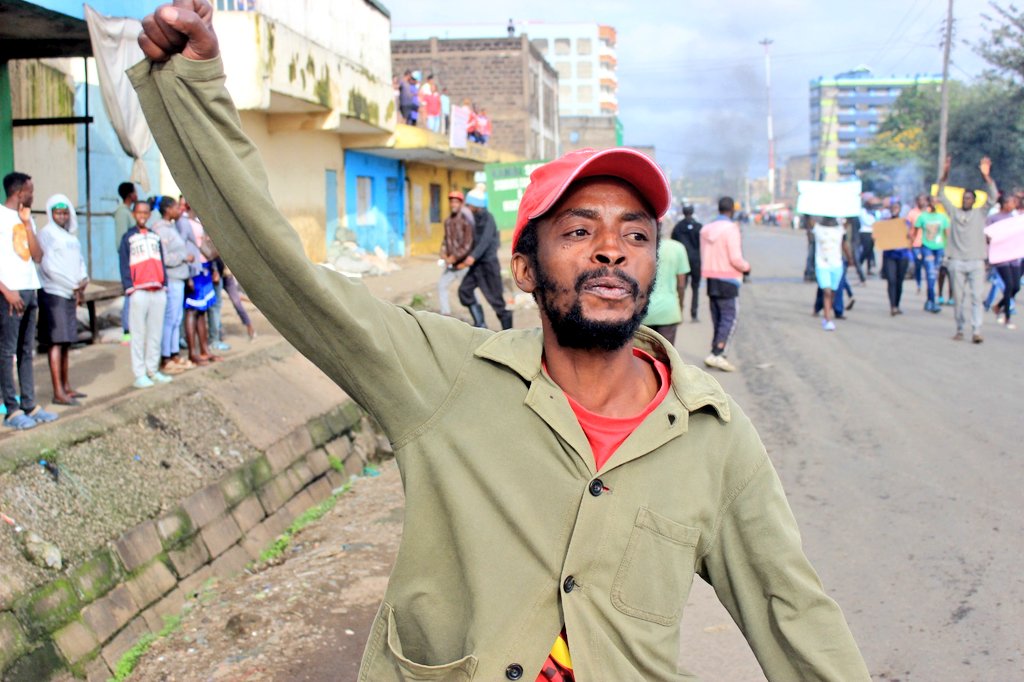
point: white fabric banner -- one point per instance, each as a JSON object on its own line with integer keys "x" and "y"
{"x": 457, "y": 127}
{"x": 115, "y": 47}
{"x": 828, "y": 199}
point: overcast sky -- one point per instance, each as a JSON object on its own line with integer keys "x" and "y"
{"x": 691, "y": 74}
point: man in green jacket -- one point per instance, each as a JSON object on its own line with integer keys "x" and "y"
{"x": 562, "y": 484}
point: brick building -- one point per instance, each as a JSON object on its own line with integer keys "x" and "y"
{"x": 506, "y": 76}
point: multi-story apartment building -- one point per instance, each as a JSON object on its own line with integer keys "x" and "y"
{"x": 846, "y": 112}
{"x": 584, "y": 56}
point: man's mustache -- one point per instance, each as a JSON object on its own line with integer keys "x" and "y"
{"x": 581, "y": 281}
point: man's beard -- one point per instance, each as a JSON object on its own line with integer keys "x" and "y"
{"x": 573, "y": 329}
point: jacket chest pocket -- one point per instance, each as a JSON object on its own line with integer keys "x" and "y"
{"x": 656, "y": 572}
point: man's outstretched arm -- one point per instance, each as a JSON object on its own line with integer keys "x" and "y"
{"x": 397, "y": 364}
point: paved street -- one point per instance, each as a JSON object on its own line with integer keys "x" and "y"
{"x": 899, "y": 449}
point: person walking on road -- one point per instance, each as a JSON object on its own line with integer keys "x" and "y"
{"x": 829, "y": 248}
{"x": 456, "y": 245}
{"x": 931, "y": 228}
{"x": 123, "y": 221}
{"x": 665, "y": 311}
{"x": 916, "y": 247}
{"x": 484, "y": 269}
{"x": 687, "y": 233}
{"x": 563, "y": 485}
{"x": 1008, "y": 271}
{"x": 723, "y": 266}
{"x": 895, "y": 263}
{"x": 967, "y": 249}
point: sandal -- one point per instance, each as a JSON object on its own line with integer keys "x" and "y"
{"x": 70, "y": 401}
{"x": 20, "y": 421}
{"x": 78, "y": 394}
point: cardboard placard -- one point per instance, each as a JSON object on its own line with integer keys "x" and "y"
{"x": 890, "y": 234}
{"x": 828, "y": 199}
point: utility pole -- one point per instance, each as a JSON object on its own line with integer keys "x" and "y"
{"x": 766, "y": 42}
{"x": 947, "y": 43}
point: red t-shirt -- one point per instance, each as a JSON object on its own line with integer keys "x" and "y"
{"x": 605, "y": 435}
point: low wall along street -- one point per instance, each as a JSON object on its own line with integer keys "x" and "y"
{"x": 154, "y": 494}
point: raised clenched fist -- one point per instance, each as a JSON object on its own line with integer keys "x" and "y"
{"x": 184, "y": 27}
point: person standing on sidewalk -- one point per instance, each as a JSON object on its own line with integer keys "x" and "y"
{"x": 723, "y": 266}
{"x": 19, "y": 286}
{"x": 456, "y": 245}
{"x": 176, "y": 264}
{"x": 484, "y": 268}
{"x": 598, "y": 474}
{"x": 967, "y": 249}
{"x": 687, "y": 233}
{"x": 64, "y": 276}
{"x": 123, "y": 222}
{"x": 144, "y": 280}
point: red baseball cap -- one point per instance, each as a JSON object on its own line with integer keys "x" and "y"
{"x": 456, "y": 195}
{"x": 549, "y": 182}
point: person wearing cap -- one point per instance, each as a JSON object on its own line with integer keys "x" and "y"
{"x": 484, "y": 269}
{"x": 563, "y": 485}
{"x": 456, "y": 245}
{"x": 63, "y": 275}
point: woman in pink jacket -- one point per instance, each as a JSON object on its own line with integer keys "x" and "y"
{"x": 723, "y": 266}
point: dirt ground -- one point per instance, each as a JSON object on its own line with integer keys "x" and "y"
{"x": 307, "y": 616}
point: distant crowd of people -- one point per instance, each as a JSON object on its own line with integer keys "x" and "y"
{"x": 949, "y": 247}
{"x": 423, "y": 101}
{"x": 173, "y": 280}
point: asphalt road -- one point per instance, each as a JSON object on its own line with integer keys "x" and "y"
{"x": 900, "y": 451}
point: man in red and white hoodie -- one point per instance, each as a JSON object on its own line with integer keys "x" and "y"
{"x": 145, "y": 280}
{"x": 723, "y": 266}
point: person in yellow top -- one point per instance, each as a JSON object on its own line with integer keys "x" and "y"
{"x": 515, "y": 528}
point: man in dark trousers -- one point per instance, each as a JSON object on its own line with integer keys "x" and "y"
{"x": 687, "y": 231}
{"x": 484, "y": 269}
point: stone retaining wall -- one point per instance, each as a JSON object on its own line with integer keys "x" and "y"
{"x": 87, "y": 616}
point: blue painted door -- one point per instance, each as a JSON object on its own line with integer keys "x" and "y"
{"x": 331, "y": 189}
{"x": 374, "y": 202}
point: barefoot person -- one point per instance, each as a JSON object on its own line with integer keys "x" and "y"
{"x": 64, "y": 277}
{"x": 598, "y": 473}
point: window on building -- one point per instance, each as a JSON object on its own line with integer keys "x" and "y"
{"x": 564, "y": 91}
{"x": 435, "y": 203}
{"x": 364, "y": 200}
{"x": 585, "y": 93}
{"x": 564, "y": 69}
{"x": 562, "y": 46}
{"x": 574, "y": 137}
{"x": 584, "y": 69}
{"x": 583, "y": 46}
{"x": 541, "y": 44}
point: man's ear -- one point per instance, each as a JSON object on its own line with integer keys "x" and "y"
{"x": 523, "y": 273}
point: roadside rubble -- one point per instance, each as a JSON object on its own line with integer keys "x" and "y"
{"x": 353, "y": 261}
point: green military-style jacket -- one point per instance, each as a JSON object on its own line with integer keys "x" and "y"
{"x": 509, "y": 530}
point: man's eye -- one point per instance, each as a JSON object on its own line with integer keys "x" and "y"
{"x": 577, "y": 232}
{"x": 637, "y": 236}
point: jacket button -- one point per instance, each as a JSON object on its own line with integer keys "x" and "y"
{"x": 596, "y": 487}
{"x": 514, "y": 672}
{"x": 569, "y": 584}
